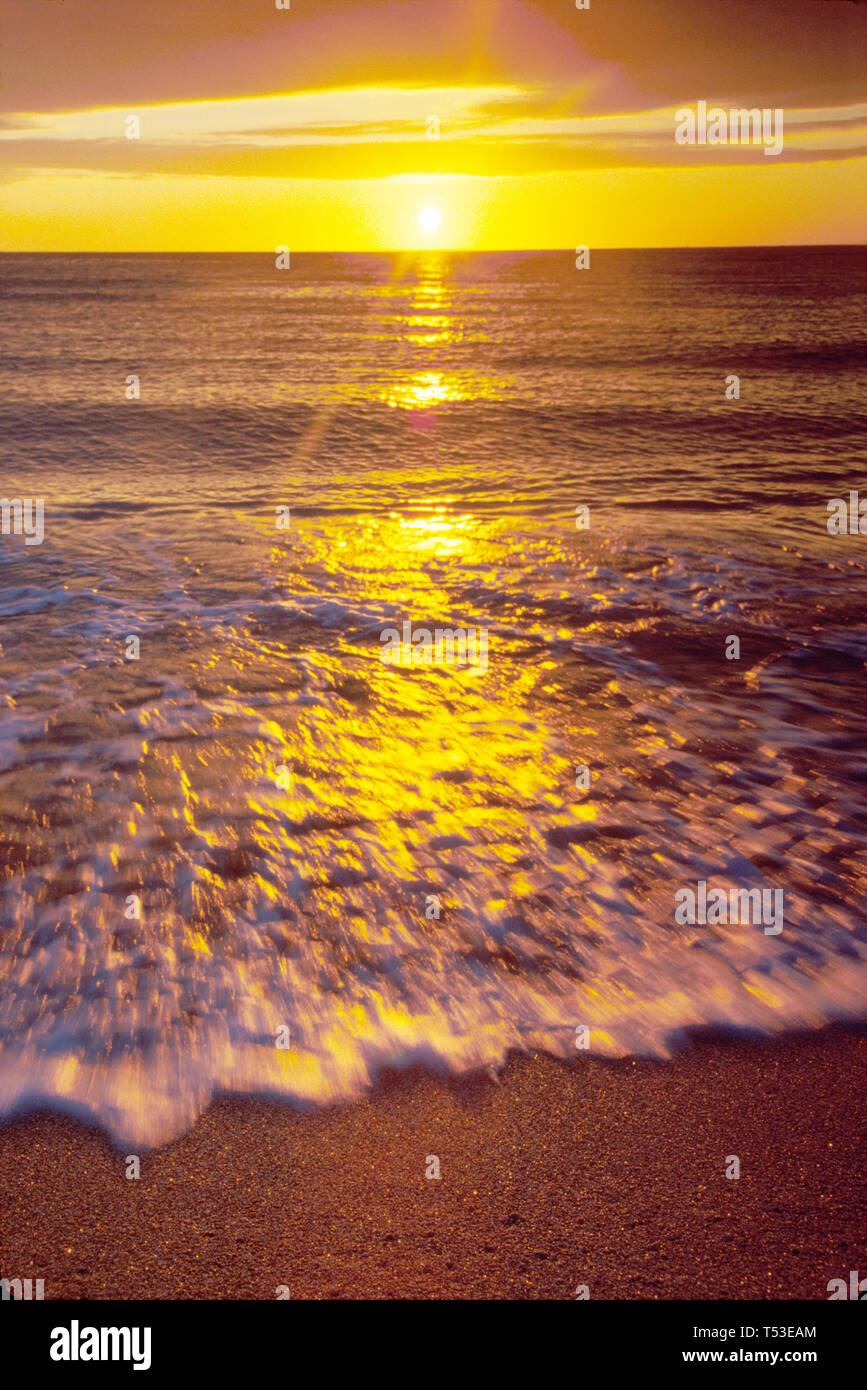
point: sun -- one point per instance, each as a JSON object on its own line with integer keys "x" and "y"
{"x": 429, "y": 219}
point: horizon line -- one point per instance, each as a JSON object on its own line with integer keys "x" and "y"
{"x": 470, "y": 250}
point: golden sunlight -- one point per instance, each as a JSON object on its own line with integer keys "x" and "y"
{"x": 429, "y": 219}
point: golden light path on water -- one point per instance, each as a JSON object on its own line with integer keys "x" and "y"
{"x": 427, "y": 326}
{"x": 304, "y": 906}
{"x": 287, "y": 806}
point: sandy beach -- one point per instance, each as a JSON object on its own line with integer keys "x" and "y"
{"x": 605, "y": 1174}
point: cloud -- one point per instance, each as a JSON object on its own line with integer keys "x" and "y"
{"x": 375, "y": 132}
{"x": 101, "y": 53}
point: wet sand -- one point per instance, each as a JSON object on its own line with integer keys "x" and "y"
{"x": 609, "y": 1174}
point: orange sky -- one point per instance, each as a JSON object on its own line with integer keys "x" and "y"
{"x": 332, "y": 126}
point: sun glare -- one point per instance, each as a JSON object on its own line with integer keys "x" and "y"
{"x": 429, "y": 219}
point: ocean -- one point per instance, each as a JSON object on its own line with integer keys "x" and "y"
{"x": 243, "y": 852}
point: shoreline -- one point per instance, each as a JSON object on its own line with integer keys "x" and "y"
{"x": 594, "y": 1172}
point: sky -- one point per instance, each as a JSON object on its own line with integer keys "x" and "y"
{"x": 368, "y": 125}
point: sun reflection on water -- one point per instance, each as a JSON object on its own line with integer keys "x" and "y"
{"x": 292, "y": 805}
{"x": 430, "y": 326}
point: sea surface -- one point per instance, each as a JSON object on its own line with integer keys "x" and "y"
{"x": 288, "y": 813}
